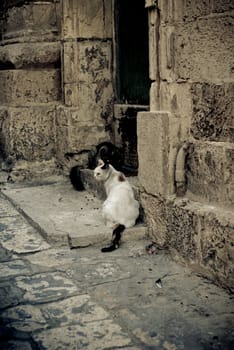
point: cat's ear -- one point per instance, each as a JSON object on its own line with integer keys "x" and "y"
{"x": 105, "y": 165}
{"x": 100, "y": 163}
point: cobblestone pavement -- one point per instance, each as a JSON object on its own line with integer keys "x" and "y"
{"x": 58, "y": 298}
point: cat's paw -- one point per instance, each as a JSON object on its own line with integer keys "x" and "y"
{"x": 110, "y": 248}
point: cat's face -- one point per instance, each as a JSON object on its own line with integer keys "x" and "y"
{"x": 101, "y": 172}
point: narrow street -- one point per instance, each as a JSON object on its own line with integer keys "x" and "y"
{"x": 54, "y": 297}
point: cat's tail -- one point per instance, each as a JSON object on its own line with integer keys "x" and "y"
{"x": 76, "y": 179}
{"x": 116, "y": 241}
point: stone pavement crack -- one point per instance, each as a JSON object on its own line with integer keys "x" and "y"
{"x": 111, "y": 281}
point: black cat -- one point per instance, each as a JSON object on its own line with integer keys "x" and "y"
{"x": 105, "y": 151}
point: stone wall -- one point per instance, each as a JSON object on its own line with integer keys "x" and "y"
{"x": 30, "y": 84}
{"x": 56, "y": 82}
{"x": 185, "y": 142}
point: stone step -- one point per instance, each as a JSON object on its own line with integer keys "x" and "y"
{"x": 64, "y": 216}
{"x": 199, "y": 234}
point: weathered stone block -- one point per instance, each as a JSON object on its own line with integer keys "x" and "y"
{"x": 30, "y": 133}
{"x": 88, "y": 77}
{"x": 160, "y": 135}
{"x": 193, "y": 9}
{"x": 170, "y": 10}
{"x": 212, "y": 117}
{"x": 176, "y": 98}
{"x": 153, "y": 42}
{"x": 202, "y": 235}
{"x": 91, "y": 19}
{"x": 28, "y": 241}
{"x": 22, "y": 87}
{"x": 153, "y": 131}
{"x": 216, "y": 246}
{"x": 104, "y": 333}
{"x": 71, "y": 94}
{"x": 189, "y": 10}
{"x": 222, "y": 5}
{"x": 171, "y": 225}
{"x": 154, "y": 96}
{"x": 35, "y": 17}
{"x": 87, "y": 61}
{"x": 200, "y": 47}
{"x": 155, "y": 210}
{"x": 182, "y": 227}
{"x": 210, "y": 171}
{"x": 95, "y": 60}
{"x": 52, "y": 285}
{"x": 167, "y": 53}
{"x": 34, "y": 171}
{"x": 95, "y": 101}
{"x": 70, "y": 62}
{"x": 16, "y": 56}
{"x": 77, "y": 133}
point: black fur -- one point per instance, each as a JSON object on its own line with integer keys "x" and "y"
{"x": 75, "y": 178}
{"x": 116, "y": 240}
{"x": 106, "y": 151}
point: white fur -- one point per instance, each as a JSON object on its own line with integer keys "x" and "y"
{"x": 120, "y": 207}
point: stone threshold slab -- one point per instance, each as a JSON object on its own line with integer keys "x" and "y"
{"x": 65, "y": 216}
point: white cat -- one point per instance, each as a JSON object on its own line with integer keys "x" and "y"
{"x": 120, "y": 209}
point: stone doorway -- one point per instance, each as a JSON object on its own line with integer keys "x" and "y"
{"x": 131, "y": 76}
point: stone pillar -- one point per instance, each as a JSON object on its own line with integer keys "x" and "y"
{"x": 162, "y": 131}
{"x": 85, "y": 118}
{"x": 153, "y": 151}
{"x": 30, "y": 86}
